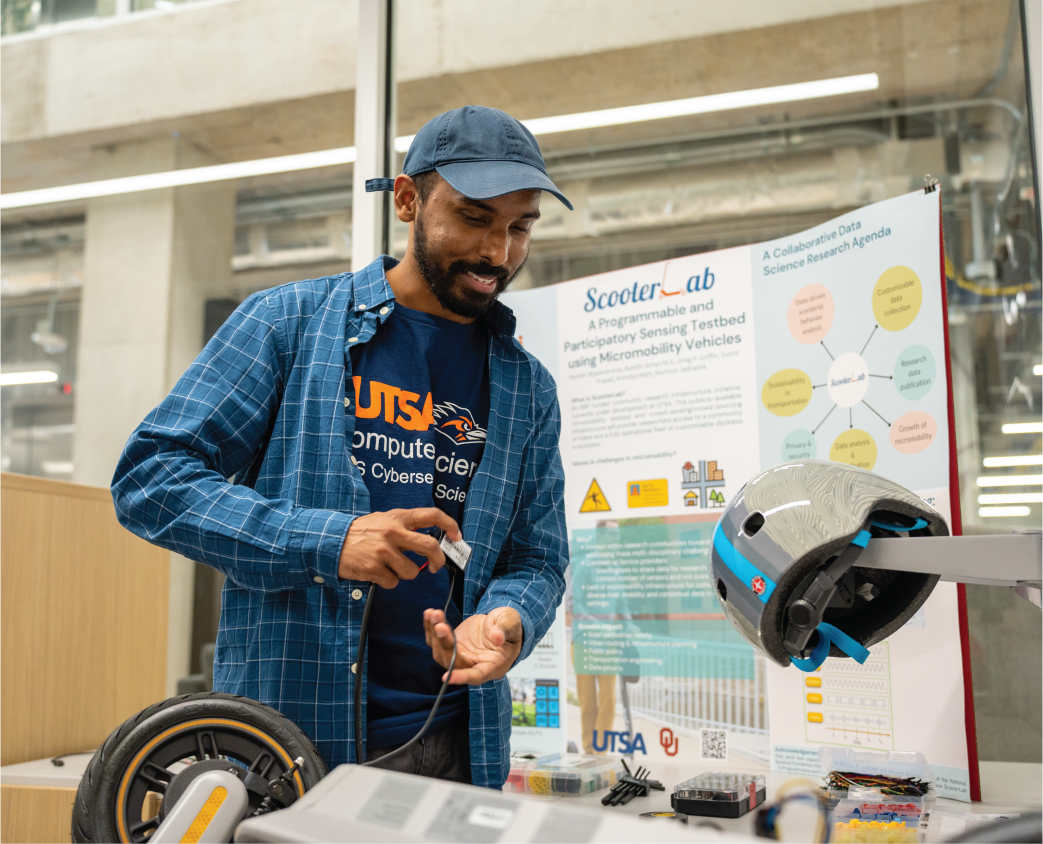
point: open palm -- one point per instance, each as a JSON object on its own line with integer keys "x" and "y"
{"x": 487, "y": 645}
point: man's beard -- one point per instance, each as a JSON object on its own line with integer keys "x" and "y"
{"x": 450, "y": 293}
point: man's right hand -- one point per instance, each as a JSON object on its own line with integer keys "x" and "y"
{"x": 372, "y": 550}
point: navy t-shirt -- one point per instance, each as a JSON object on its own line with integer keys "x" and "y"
{"x": 420, "y": 393}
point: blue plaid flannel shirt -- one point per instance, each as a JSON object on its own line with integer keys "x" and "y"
{"x": 264, "y": 402}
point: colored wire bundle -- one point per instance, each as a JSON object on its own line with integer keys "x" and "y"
{"x": 769, "y": 820}
{"x": 893, "y": 786}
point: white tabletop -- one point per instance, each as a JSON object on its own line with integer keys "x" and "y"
{"x": 1005, "y": 787}
{"x": 46, "y": 773}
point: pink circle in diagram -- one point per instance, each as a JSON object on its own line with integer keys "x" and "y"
{"x": 810, "y": 314}
{"x": 913, "y": 432}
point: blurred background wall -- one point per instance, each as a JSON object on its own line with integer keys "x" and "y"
{"x": 115, "y": 295}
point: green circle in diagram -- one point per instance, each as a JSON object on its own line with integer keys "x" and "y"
{"x": 915, "y": 371}
{"x": 799, "y": 444}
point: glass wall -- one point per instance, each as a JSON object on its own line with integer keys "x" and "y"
{"x": 42, "y": 275}
{"x": 28, "y": 15}
{"x": 950, "y": 102}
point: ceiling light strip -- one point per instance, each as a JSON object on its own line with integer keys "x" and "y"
{"x": 1011, "y": 498}
{"x": 180, "y": 178}
{"x": 1011, "y": 480}
{"x": 997, "y": 512}
{"x": 1013, "y": 460}
{"x": 1023, "y": 428}
{"x": 11, "y": 379}
{"x": 692, "y": 105}
{"x": 538, "y": 126}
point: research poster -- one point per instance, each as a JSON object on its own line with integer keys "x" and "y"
{"x": 680, "y": 380}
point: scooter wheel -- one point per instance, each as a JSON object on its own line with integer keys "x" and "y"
{"x": 145, "y": 764}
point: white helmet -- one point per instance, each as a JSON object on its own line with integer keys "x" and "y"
{"x": 784, "y": 561}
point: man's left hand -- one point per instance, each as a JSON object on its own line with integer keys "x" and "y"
{"x": 486, "y": 645}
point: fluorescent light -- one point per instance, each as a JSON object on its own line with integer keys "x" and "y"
{"x": 538, "y": 126}
{"x": 1013, "y": 460}
{"x": 692, "y": 105}
{"x": 1011, "y": 480}
{"x": 1012, "y": 498}
{"x": 58, "y": 467}
{"x": 180, "y": 178}
{"x": 1037, "y": 369}
{"x": 995, "y": 512}
{"x": 703, "y": 105}
{"x": 1023, "y": 428}
{"x": 43, "y": 376}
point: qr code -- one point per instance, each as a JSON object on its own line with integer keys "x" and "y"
{"x": 713, "y": 744}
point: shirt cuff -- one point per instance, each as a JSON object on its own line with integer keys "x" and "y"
{"x": 316, "y": 539}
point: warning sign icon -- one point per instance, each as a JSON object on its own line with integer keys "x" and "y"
{"x": 594, "y": 501}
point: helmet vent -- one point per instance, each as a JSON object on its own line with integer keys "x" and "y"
{"x": 753, "y": 523}
{"x": 722, "y": 590}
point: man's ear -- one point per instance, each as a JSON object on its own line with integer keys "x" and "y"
{"x": 407, "y": 199}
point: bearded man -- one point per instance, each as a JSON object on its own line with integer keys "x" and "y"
{"x": 355, "y": 414}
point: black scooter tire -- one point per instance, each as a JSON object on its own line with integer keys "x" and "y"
{"x": 97, "y": 814}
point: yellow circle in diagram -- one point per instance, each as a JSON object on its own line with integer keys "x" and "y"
{"x": 897, "y": 297}
{"x": 786, "y": 392}
{"x": 854, "y": 447}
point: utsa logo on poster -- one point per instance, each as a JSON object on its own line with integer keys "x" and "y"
{"x": 458, "y": 424}
{"x": 404, "y": 409}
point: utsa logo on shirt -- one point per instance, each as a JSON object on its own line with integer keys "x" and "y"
{"x": 404, "y": 409}
{"x": 458, "y": 423}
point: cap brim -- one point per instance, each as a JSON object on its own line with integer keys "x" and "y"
{"x": 489, "y": 179}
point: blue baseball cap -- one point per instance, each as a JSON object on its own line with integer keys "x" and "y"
{"x": 482, "y": 152}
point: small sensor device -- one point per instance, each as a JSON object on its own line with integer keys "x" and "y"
{"x": 459, "y": 552}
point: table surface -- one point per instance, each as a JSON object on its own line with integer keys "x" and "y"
{"x": 1005, "y": 787}
{"x": 43, "y": 772}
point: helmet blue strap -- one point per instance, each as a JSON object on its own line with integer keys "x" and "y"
{"x": 828, "y": 634}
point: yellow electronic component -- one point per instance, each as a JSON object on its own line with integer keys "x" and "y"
{"x": 812, "y": 682}
{"x": 206, "y": 814}
{"x": 539, "y": 783}
{"x": 814, "y": 697}
{"x": 874, "y": 832}
{"x": 815, "y": 717}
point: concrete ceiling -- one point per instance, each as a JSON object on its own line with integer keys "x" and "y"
{"x": 924, "y": 51}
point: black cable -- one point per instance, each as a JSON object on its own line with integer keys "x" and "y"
{"x": 360, "y": 660}
{"x": 360, "y": 753}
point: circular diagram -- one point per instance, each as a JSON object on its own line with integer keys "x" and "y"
{"x": 850, "y": 380}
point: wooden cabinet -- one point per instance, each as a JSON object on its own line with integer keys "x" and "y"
{"x": 84, "y": 633}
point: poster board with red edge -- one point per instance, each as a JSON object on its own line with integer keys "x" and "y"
{"x": 956, "y": 525}
{"x": 678, "y": 381}
{"x": 914, "y": 692}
